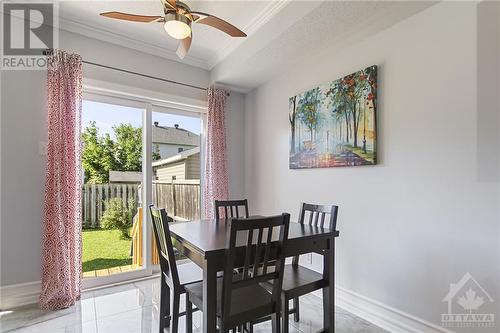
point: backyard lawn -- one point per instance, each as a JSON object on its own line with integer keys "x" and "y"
{"x": 104, "y": 249}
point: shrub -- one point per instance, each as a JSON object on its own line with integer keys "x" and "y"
{"x": 117, "y": 216}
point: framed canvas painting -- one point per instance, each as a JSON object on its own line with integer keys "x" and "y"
{"x": 334, "y": 125}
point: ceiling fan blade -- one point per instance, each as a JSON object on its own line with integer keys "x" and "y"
{"x": 170, "y": 3}
{"x": 218, "y": 23}
{"x": 131, "y": 17}
{"x": 184, "y": 46}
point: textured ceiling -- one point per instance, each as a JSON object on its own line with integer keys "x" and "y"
{"x": 332, "y": 24}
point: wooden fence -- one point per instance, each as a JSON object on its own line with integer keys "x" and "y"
{"x": 181, "y": 198}
{"x": 94, "y": 197}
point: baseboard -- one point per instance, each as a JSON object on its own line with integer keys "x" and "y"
{"x": 13, "y": 296}
{"x": 16, "y": 295}
{"x": 382, "y": 315}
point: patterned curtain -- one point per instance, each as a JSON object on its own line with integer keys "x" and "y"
{"x": 61, "y": 229}
{"x": 216, "y": 177}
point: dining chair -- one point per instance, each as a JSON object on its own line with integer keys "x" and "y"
{"x": 241, "y": 298}
{"x": 231, "y": 208}
{"x": 299, "y": 280}
{"x": 174, "y": 279}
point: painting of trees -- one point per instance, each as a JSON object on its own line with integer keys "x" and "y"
{"x": 340, "y": 114}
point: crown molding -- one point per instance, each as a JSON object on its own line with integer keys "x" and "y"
{"x": 121, "y": 40}
{"x": 255, "y": 24}
{"x": 116, "y": 38}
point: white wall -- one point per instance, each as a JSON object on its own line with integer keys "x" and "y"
{"x": 23, "y": 126}
{"x": 422, "y": 217}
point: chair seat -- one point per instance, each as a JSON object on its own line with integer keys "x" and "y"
{"x": 299, "y": 280}
{"x": 253, "y": 301}
{"x": 189, "y": 273}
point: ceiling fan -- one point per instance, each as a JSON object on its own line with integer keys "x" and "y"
{"x": 177, "y": 22}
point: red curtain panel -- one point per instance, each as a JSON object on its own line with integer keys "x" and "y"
{"x": 216, "y": 176}
{"x": 61, "y": 225}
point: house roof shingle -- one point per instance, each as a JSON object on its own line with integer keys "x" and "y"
{"x": 176, "y": 136}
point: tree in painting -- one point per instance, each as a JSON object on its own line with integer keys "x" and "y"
{"x": 334, "y": 124}
{"x": 308, "y": 111}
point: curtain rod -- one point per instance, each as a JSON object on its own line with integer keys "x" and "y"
{"x": 139, "y": 74}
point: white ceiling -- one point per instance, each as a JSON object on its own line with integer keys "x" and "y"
{"x": 279, "y": 31}
{"x": 209, "y": 46}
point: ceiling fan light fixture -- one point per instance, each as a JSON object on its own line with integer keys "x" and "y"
{"x": 177, "y": 25}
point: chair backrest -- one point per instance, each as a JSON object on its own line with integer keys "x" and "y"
{"x": 321, "y": 216}
{"x": 231, "y": 208}
{"x": 263, "y": 258}
{"x": 168, "y": 266}
{"x": 316, "y": 215}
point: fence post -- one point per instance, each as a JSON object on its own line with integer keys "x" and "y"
{"x": 174, "y": 198}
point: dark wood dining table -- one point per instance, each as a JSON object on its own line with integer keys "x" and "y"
{"x": 204, "y": 242}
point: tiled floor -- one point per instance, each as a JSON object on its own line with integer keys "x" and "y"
{"x": 134, "y": 308}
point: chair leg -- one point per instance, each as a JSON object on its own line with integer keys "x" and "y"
{"x": 296, "y": 315}
{"x": 189, "y": 315}
{"x": 276, "y": 323}
{"x": 164, "y": 305}
{"x": 175, "y": 312}
{"x": 285, "y": 314}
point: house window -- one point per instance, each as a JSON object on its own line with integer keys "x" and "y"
{"x": 180, "y": 150}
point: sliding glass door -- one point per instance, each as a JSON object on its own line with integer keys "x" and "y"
{"x": 134, "y": 153}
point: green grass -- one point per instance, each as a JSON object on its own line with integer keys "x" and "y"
{"x": 104, "y": 249}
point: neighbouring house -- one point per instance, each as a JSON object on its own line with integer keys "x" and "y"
{"x": 125, "y": 177}
{"x": 170, "y": 141}
{"x": 182, "y": 166}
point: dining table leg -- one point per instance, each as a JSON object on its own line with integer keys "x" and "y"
{"x": 209, "y": 296}
{"x": 329, "y": 292}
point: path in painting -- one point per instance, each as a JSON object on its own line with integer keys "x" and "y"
{"x": 327, "y": 160}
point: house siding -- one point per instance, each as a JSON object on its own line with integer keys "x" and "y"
{"x": 168, "y": 150}
{"x": 193, "y": 167}
{"x": 177, "y": 169}
{"x": 188, "y": 168}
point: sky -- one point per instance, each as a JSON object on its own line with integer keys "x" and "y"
{"x": 108, "y": 115}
